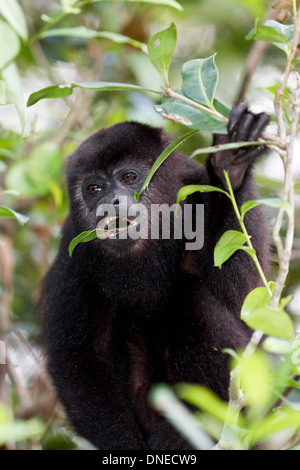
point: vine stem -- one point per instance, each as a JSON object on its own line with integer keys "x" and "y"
{"x": 56, "y": 20}
{"x": 245, "y": 232}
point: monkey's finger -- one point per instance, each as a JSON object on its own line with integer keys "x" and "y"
{"x": 235, "y": 117}
{"x": 249, "y": 155}
{"x": 245, "y": 125}
{"x": 261, "y": 120}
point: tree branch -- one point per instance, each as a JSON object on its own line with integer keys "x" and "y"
{"x": 213, "y": 112}
{"x": 284, "y": 249}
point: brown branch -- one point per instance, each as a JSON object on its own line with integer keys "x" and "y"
{"x": 213, "y": 112}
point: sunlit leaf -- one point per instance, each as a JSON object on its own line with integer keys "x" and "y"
{"x": 162, "y": 157}
{"x": 8, "y": 213}
{"x": 186, "y": 191}
{"x": 275, "y": 203}
{"x": 169, "y": 3}
{"x": 13, "y": 13}
{"x": 257, "y": 313}
{"x": 256, "y": 378}
{"x": 284, "y": 301}
{"x": 230, "y": 242}
{"x": 256, "y": 299}
{"x": 10, "y": 44}
{"x": 277, "y": 345}
{"x": 278, "y": 34}
{"x": 66, "y": 89}
{"x": 271, "y": 321}
{"x": 191, "y": 116}
{"x": 68, "y": 6}
{"x": 160, "y": 49}
{"x": 281, "y": 419}
{"x": 222, "y": 147}
{"x": 83, "y": 237}
{"x": 207, "y": 401}
{"x": 85, "y": 33}
{"x": 200, "y": 79}
{"x": 268, "y": 32}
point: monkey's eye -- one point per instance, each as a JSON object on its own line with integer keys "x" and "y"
{"x": 94, "y": 188}
{"x": 129, "y": 177}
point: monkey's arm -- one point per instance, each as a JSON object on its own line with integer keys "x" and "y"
{"x": 238, "y": 276}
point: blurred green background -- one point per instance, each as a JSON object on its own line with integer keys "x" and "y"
{"x": 35, "y": 142}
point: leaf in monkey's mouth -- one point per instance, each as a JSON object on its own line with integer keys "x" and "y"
{"x": 110, "y": 226}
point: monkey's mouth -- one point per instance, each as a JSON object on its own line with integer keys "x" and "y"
{"x": 111, "y": 226}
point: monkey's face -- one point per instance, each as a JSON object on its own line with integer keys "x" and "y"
{"x": 104, "y": 174}
{"x": 110, "y": 206}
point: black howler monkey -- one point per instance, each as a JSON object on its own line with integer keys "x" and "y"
{"x": 122, "y": 314}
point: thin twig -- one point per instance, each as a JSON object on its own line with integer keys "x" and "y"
{"x": 284, "y": 249}
{"x": 213, "y": 112}
{"x": 236, "y": 398}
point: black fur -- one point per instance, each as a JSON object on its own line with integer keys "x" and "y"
{"x": 117, "y": 321}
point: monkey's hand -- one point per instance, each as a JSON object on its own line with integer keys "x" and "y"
{"x": 243, "y": 126}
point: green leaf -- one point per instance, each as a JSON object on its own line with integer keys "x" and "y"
{"x": 10, "y": 44}
{"x": 267, "y": 32}
{"x": 65, "y": 89}
{"x": 271, "y": 321}
{"x": 231, "y": 146}
{"x": 14, "y": 15}
{"x": 256, "y": 377}
{"x": 206, "y": 400}
{"x": 160, "y": 49}
{"x": 162, "y": 157}
{"x": 169, "y": 3}
{"x": 256, "y": 299}
{"x": 230, "y": 242}
{"x": 257, "y": 313}
{"x": 275, "y": 203}
{"x": 185, "y": 191}
{"x": 85, "y": 33}
{"x": 8, "y": 213}
{"x": 280, "y": 419}
{"x": 200, "y": 79}
{"x": 67, "y": 6}
{"x": 277, "y": 345}
{"x": 192, "y": 116}
{"x": 83, "y": 237}
{"x": 274, "y": 32}
{"x": 284, "y": 301}
{"x": 14, "y": 91}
